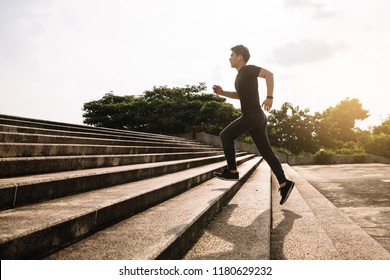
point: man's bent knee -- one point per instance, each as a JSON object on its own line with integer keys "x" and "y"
{"x": 225, "y": 137}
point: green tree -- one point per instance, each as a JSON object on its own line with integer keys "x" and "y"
{"x": 379, "y": 142}
{"x": 293, "y": 129}
{"x": 383, "y": 128}
{"x": 110, "y": 111}
{"x": 336, "y": 125}
{"x": 181, "y": 109}
{"x": 162, "y": 110}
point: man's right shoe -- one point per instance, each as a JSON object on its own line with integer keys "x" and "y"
{"x": 227, "y": 175}
{"x": 286, "y": 190}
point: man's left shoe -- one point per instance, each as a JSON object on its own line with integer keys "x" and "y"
{"x": 286, "y": 190}
{"x": 227, "y": 175}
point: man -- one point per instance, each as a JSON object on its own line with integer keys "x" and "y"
{"x": 253, "y": 119}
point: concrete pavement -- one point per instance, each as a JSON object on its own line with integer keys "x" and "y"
{"x": 309, "y": 226}
{"x": 360, "y": 191}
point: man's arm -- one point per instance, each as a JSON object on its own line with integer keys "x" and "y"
{"x": 231, "y": 94}
{"x": 269, "y": 80}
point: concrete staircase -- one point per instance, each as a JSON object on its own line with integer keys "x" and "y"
{"x": 110, "y": 194}
{"x": 78, "y": 192}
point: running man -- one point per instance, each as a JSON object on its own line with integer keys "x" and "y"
{"x": 253, "y": 119}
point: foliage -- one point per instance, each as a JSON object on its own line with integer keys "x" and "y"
{"x": 162, "y": 110}
{"x": 384, "y": 128}
{"x": 290, "y": 129}
{"x": 324, "y": 156}
{"x": 336, "y": 124}
{"x": 299, "y": 132}
{"x": 379, "y": 144}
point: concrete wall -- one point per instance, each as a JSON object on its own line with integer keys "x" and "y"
{"x": 290, "y": 159}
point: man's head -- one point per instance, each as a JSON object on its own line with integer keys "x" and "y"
{"x": 240, "y": 55}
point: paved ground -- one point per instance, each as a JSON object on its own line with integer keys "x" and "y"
{"x": 361, "y": 191}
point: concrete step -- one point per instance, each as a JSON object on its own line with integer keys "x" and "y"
{"x": 24, "y": 190}
{"x": 242, "y": 230}
{"x": 37, "y": 150}
{"x": 11, "y": 167}
{"x": 309, "y": 226}
{"x": 296, "y": 233}
{"x": 45, "y": 124}
{"x": 164, "y": 231}
{"x": 36, "y": 230}
{"x": 97, "y": 134}
{"x": 8, "y": 137}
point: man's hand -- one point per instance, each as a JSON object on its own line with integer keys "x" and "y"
{"x": 267, "y": 104}
{"x": 230, "y": 94}
{"x": 217, "y": 90}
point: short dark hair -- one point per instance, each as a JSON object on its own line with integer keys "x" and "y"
{"x": 242, "y": 50}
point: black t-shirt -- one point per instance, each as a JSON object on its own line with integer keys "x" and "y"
{"x": 247, "y": 88}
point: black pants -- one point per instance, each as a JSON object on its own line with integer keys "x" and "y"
{"x": 255, "y": 123}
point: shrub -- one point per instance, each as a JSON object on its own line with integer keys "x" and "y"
{"x": 324, "y": 156}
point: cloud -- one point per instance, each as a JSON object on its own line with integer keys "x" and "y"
{"x": 306, "y": 52}
{"x": 319, "y": 10}
{"x": 301, "y": 4}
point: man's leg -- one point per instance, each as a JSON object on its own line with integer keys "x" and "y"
{"x": 260, "y": 138}
{"x": 261, "y": 141}
{"x": 228, "y": 135}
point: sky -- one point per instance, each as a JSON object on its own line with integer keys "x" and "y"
{"x": 55, "y": 55}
